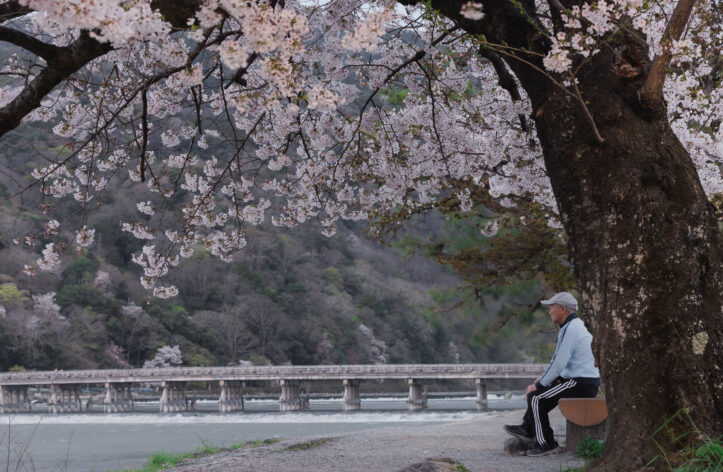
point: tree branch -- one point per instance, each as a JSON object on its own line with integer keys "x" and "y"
{"x": 144, "y": 131}
{"x": 66, "y": 62}
{"x": 652, "y": 91}
{"x": 12, "y": 9}
{"x": 509, "y": 23}
{"x": 177, "y": 12}
{"x": 29, "y": 43}
{"x": 238, "y": 77}
{"x": 505, "y": 80}
{"x": 557, "y": 5}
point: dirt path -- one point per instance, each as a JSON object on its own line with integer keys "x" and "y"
{"x": 478, "y": 445}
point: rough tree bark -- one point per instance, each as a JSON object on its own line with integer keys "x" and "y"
{"x": 647, "y": 253}
{"x": 642, "y": 235}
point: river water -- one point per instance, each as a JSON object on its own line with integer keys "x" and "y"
{"x": 113, "y": 442}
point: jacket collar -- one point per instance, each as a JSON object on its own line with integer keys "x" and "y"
{"x": 569, "y": 318}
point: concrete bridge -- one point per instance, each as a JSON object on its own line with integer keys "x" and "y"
{"x": 65, "y": 385}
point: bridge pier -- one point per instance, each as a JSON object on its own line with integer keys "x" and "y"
{"x": 64, "y": 398}
{"x": 232, "y": 398}
{"x": 352, "y": 399}
{"x": 14, "y": 399}
{"x": 417, "y": 396}
{"x": 174, "y": 397}
{"x": 291, "y": 398}
{"x": 481, "y": 394}
{"x": 118, "y": 398}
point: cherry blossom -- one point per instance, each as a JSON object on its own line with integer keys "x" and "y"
{"x": 166, "y": 356}
{"x": 84, "y": 236}
{"x": 490, "y": 229}
{"x": 472, "y": 10}
{"x": 50, "y": 259}
{"x": 145, "y": 208}
{"x": 323, "y": 111}
{"x": 51, "y": 227}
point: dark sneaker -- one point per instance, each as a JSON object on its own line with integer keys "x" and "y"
{"x": 518, "y": 432}
{"x": 539, "y": 451}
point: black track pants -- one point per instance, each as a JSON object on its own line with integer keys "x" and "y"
{"x": 541, "y": 401}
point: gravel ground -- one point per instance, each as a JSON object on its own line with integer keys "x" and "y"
{"x": 478, "y": 445}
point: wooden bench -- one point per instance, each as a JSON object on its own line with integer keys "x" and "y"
{"x": 586, "y": 418}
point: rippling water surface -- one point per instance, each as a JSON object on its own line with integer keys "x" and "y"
{"x": 103, "y": 442}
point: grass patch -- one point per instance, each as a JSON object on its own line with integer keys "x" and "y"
{"x": 589, "y": 448}
{"x": 708, "y": 457}
{"x": 306, "y": 445}
{"x": 257, "y": 443}
{"x": 163, "y": 460}
{"x": 459, "y": 467}
{"x": 704, "y": 454}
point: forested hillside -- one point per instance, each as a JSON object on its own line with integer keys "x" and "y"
{"x": 290, "y": 296}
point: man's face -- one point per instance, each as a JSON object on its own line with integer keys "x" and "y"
{"x": 558, "y": 313}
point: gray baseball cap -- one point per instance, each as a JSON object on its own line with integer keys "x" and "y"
{"x": 563, "y": 298}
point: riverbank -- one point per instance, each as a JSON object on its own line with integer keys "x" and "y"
{"x": 117, "y": 441}
{"x": 476, "y": 444}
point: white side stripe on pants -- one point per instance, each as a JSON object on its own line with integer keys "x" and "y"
{"x": 535, "y": 407}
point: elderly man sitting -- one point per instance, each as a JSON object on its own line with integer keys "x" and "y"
{"x": 571, "y": 373}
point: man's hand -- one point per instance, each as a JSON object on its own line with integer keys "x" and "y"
{"x": 530, "y": 388}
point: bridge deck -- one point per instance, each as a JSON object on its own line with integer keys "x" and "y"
{"x": 317, "y": 372}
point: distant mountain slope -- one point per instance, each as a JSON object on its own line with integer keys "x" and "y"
{"x": 290, "y": 296}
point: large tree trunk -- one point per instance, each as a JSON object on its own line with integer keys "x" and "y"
{"x": 647, "y": 253}
{"x": 643, "y": 238}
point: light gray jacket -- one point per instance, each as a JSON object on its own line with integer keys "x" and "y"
{"x": 573, "y": 357}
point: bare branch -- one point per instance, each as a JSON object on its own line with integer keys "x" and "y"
{"x": 652, "y": 91}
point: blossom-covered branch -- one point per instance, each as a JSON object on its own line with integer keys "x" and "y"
{"x": 303, "y": 121}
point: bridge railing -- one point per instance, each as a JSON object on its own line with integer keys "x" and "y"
{"x": 316, "y": 372}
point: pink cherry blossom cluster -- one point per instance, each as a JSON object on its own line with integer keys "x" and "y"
{"x": 472, "y": 11}
{"x": 84, "y": 236}
{"x": 694, "y": 102}
{"x": 118, "y": 22}
{"x": 369, "y": 29}
{"x": 50, "y": 259}
{"x": 282, "y": 113}
{"x": 585, "y": 28}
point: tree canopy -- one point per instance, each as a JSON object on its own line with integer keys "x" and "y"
{"x": 299, "y": 102}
